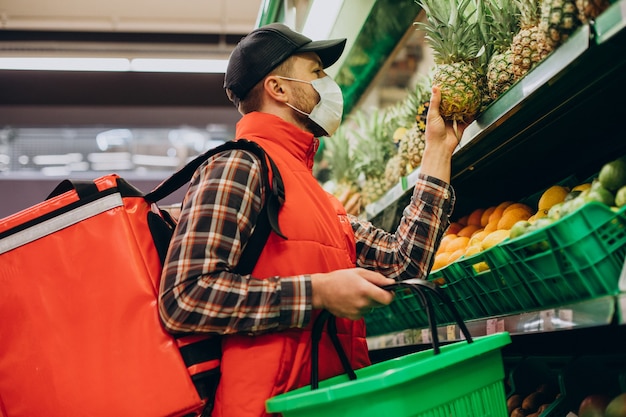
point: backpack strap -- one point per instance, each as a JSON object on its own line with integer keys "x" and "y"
{"x": 274, "y": 198}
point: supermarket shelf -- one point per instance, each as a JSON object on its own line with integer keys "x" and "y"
{"x": 562, "y": 117}
{"x": 590, "y": 313}
{"x": 611, "y": 23}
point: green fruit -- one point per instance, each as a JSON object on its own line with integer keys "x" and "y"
{"x": 519, "y": 228}
{"x": 555, "y": 211}
{"x": 593, "y": 405}
{"x": 612, "y": 176}
{"x": 617, "y": 407}
{"x": 541, "y": 223}
{"x": 576, "y": 203}
{"x": 600, "y": 194}
{"x": 620, "y": 197}
{"x": 572, "y": 195}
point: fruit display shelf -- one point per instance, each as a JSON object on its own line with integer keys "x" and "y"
{"x": 563, "y": 117}
{"x": 610, "y": 24}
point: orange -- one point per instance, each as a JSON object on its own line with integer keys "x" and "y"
{"x": 484, "y": 219}
{"x": 463, "y": 220}
{"x": 441, "y": 260}
{"x": 509, "y": 218}
{"x": 456, "y": 255}
{"x": 491, "y": 226}
{"x": 445, "y": 240}
{"x": 454, "y": 228}
{"x": 497, "y": 212}
{"x": 460, "y": 242}
{"x": 469, "y": 230}
{"x": 519, "y": 206}
{"x": 475, "y": 216}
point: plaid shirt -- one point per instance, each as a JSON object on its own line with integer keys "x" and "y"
{"x": 200, "y": 294}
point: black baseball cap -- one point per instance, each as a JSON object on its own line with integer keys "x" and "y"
{"x": 263, "y": 49}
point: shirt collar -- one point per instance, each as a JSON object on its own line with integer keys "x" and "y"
{"x": 271, "y": 128}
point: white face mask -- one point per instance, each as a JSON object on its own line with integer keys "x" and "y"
{"x": 328, "y": 112}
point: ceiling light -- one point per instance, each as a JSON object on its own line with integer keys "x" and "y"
{"x": 65, "y": 64}
{"x": 114, "y": 64}
{"x": 179, "y": 65}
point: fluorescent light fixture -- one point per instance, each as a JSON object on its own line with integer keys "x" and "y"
{"x": 179, "y": 65}
{"x": 321, "y": 18}
{"x": 66, "y": 159}
{"x": 114, "y": 64}
{"x": 156, "y": 160}
{"x": 65, "y": 64}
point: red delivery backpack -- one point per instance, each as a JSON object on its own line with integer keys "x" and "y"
{"x": 80, "y": 333}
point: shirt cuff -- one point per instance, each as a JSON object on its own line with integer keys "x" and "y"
{"x": 435, "y": 192}
{"x": 295, "y": 301}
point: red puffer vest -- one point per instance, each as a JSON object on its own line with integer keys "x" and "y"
{"x": 320, "y": 239}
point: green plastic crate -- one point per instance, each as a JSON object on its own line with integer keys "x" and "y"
{"x": 406, "y": 312}
{"x": 465, "y": 379}
{"x": 497, "y": 286}
{"x": 576, "y": 258}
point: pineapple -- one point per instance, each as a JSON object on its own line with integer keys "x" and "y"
{"x": 559, "y": 19}
{"x": 412, "y": 146}
{"x": 410, "y": 117}
{"x": 342, "y": 184}
{"x": 529, "y": 45}
{"x": 590, "y": 9}
{"x": 394, "y": 170}
{"x": 454, "y": 36}
{"x": 373, "y": 148}
{"x": 502, "y": 21}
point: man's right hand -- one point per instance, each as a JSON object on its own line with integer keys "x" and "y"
{"x": 350, "y": 293}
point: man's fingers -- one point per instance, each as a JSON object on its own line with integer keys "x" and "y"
{"x": 435, "y": 101}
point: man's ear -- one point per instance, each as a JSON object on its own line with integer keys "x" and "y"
{"x": 276, "y": 89}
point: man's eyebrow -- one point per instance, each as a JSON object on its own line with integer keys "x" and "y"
{"x": 317, "y": 63}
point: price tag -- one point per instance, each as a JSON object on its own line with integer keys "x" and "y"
{"x": 451, "y": 332}
{"x": 547, "y": 318}
{"x": 566, "y": 316}
{"x": 425, "y": 336}
{"x": 500, "y": 326}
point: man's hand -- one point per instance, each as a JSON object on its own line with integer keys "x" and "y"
{"x": 442, "y": 138}
{"x": 350, "y": 293}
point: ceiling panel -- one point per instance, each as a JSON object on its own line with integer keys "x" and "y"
{"x": 189, "y": 16}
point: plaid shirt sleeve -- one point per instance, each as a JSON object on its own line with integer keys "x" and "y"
{"x": 199, "y": 293}
{"x": 409, "y": 252}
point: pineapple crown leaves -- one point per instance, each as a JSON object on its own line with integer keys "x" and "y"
{"x": 403, "y": 113}
{"x": 529, "y": 12}
{"x": 452, "y": 29}
{"x": 337, "y": 155}
{"x": 502, "y": 20}
{"x": 373, "y": 147}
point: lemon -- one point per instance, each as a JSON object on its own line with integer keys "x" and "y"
{"x": 494, "y": 238}
{"x": 553, "y": 195}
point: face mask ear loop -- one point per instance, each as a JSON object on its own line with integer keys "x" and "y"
{"x": 298, "y": 110}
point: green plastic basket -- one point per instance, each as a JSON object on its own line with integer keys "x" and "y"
{"x": 464, "y": 379}
{"x": 576, "y": 258}
{"x": 407, "y": 312}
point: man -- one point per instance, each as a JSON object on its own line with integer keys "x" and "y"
{"x": 330, "y": 260}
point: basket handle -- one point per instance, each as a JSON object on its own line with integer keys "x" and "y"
{"x": 421, "y": 288}
{"x": 418, "y": 286}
